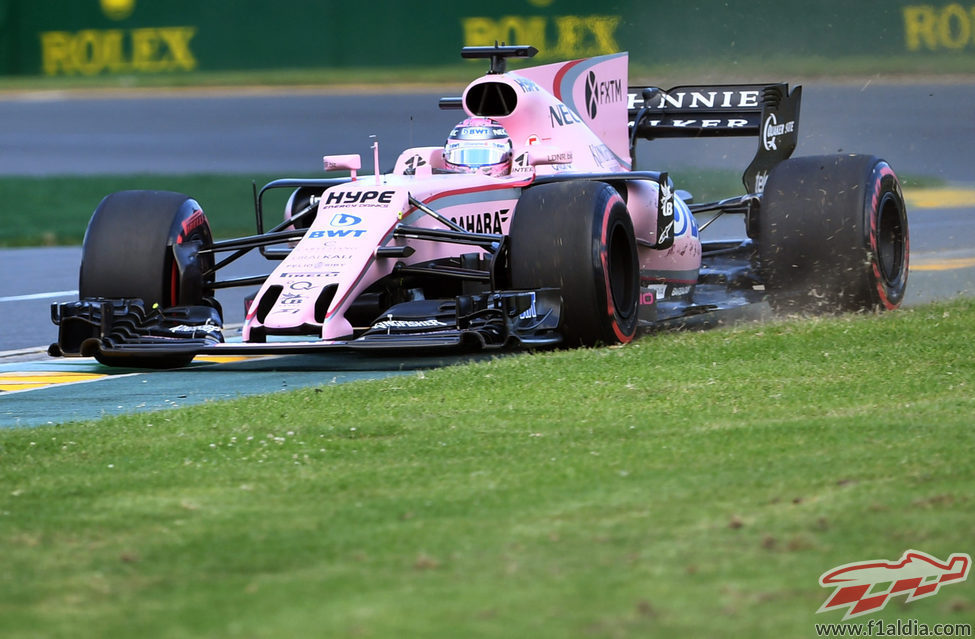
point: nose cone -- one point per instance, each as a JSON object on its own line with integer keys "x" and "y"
{"x": 309, "y": 291}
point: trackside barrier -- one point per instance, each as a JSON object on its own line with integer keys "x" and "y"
{"x": 124, "y": 37}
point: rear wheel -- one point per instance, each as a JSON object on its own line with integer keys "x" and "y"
{"x": 833, "y": 235}
{"x": 145, "y": 244}
{"x": 578, "y": 237}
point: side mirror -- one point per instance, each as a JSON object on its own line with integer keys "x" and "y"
{"x": 350, "y": 163}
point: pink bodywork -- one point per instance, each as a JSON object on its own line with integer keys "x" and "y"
{"x": 570, "y": 117}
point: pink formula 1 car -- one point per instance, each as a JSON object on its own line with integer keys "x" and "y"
{"x": 528, "y": 227}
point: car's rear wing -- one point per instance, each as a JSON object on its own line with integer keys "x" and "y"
{"x": 768, "y": 111}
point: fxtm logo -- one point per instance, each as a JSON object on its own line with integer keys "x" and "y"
{"x": 866, "y": 586}
{"x": 601, "y": 93}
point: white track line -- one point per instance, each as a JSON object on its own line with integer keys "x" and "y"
{"x": 38, "y": 296}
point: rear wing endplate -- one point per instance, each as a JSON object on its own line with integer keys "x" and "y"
{"x": 768, "y": 111}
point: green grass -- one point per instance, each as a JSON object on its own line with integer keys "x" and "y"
{"x": 798, "y": 69}
{"x": 456, "y": 74}
{"x": 59, "y": 207}
{"x": 667, "y": 73}
{"x": 689, "y": 484}
{"x": 55, "y": 210}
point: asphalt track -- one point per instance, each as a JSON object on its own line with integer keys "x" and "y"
{"x": 921, "y": 129}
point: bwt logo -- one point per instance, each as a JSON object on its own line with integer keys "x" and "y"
{"x": 336, "y": 233}
{"x": 344, "y": 219}
{"x": 866, "y": 586}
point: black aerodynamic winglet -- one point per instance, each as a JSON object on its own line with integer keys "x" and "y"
{"x": 767, "y": 111}
{"x": 498, "y": 54}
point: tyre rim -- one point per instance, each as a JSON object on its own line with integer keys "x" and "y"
{"x": 890, "y": 240}
{"x": 621, "y": 273}
{"x": 207, "y": 262}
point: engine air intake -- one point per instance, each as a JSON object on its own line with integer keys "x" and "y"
{"x": 491, "y": 99}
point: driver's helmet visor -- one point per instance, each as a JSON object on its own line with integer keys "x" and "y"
{"x": 477, "y": 153}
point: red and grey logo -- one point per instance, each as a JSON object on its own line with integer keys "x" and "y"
{"x": 864, "y": 587}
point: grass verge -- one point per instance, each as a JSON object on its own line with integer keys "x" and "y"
{"x": 910, "y": 67}
{"x": 55, "y": 210}
{"x": 689, "y": 484}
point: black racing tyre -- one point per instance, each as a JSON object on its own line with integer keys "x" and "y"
{"x": 144, "y": 244}
{"x": 297, "y": 202}
{"x": 578, "y": 237}
{"x": 833, "y": 235}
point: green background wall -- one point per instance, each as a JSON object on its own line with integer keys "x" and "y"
{"x": 93, "y": 37}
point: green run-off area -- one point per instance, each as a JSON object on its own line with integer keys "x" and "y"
{"x": 688, "y": 484}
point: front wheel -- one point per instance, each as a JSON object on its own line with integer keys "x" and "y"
{"x": 578, "y": 237}
{"x": 833, "y": 235}
{"x": 146, "y": 244}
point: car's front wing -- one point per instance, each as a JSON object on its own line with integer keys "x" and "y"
{"x": 126, "y": 328}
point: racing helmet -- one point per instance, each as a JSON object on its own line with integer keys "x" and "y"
{"x": 478, "y": 145}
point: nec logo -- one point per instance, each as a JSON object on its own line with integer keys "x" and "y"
{"x": 359, "y": 197}
{"x": 561, "y": 115}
